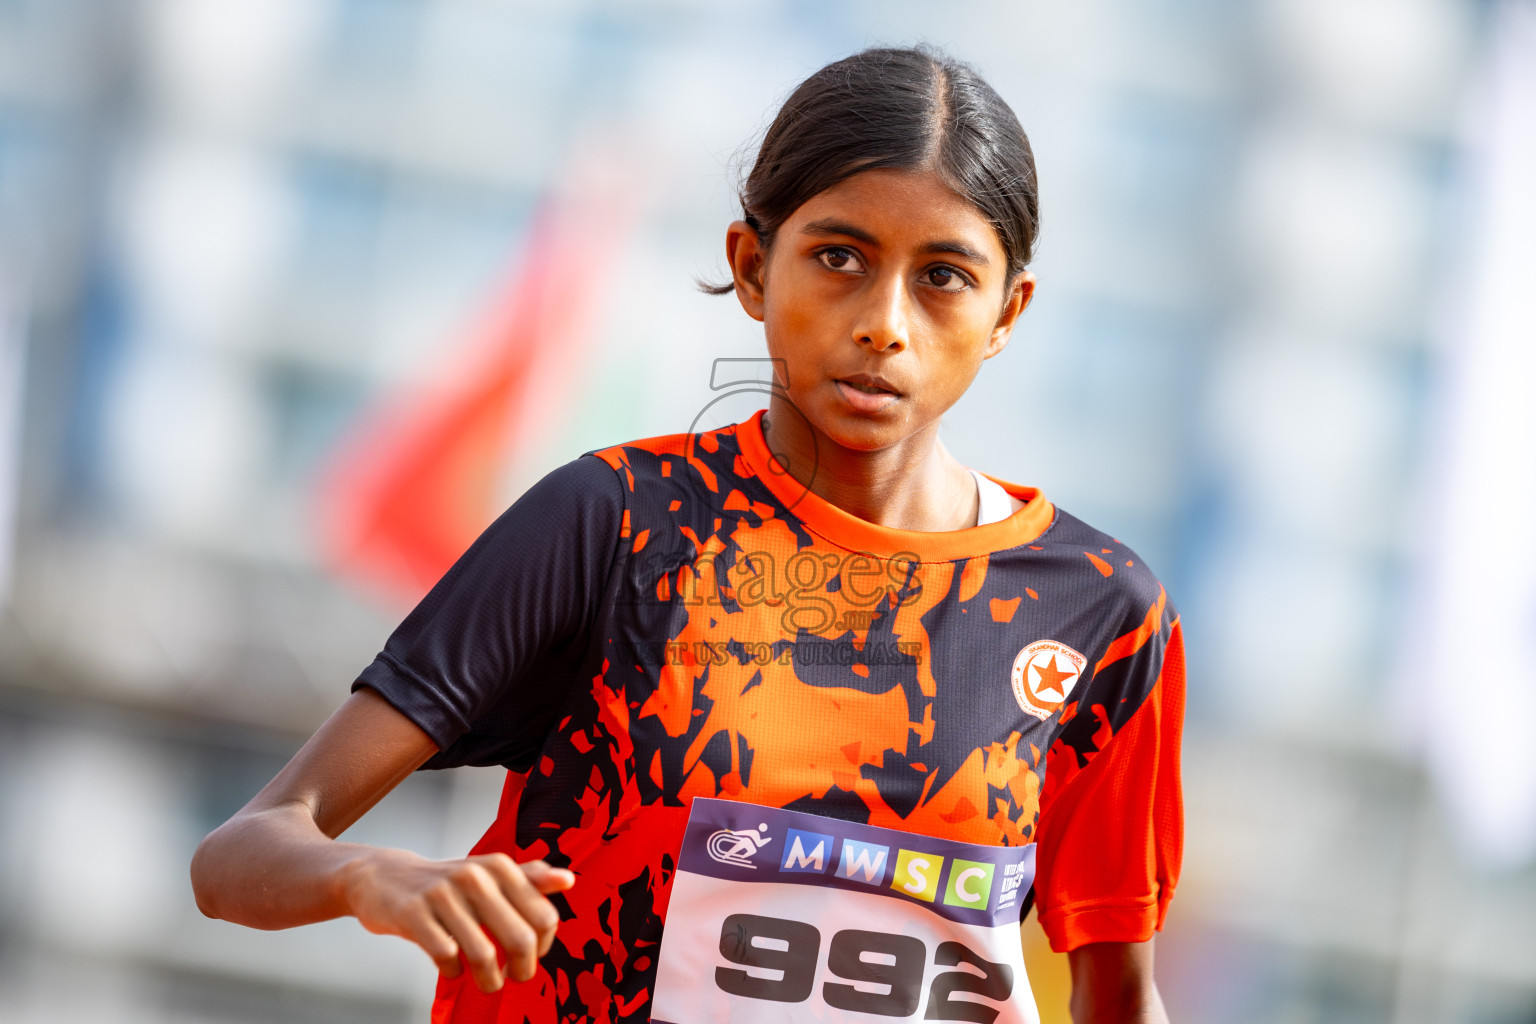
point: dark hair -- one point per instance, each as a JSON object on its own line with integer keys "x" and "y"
{"x": 903, "y": 108}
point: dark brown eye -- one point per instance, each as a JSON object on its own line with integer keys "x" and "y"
{"x": 838, "y": 258}
{"x": 947, "y": 279}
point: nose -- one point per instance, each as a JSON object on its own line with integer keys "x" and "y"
{"x": 884, "y": 320}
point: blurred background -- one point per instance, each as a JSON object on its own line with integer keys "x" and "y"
{"x": 296, "y": 294}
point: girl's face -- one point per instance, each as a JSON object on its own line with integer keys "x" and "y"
{"x": 882, "y": 295}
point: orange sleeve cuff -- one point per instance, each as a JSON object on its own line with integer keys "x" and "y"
{"x": 1120, "y": 920}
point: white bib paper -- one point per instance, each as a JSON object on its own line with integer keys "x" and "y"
{"x": 779, "y": 916}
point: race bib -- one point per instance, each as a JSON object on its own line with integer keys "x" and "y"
{"x": 779, "y": 916}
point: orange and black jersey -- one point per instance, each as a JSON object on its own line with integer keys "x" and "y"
{"x": 678, "y": 617}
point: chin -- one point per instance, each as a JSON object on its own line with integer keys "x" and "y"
{"x": 863, "y": 433}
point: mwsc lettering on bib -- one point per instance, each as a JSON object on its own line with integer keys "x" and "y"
{"x": 779, "y": 916}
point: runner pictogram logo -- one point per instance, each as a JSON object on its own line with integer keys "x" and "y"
{"x": 1044, "y": 674}
{"x": 733, "y": 846}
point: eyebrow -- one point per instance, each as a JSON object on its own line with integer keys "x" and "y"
{"x": 827, "y": 226}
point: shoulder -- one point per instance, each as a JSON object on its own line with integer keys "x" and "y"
{"x": 587, "y": 475}
{"x": 575, "y": 511}
{"x": 699, "y": 463}
{"x": 1128, "y": 623}
{"x": 581, "y": 503}
{"x": 710, "y": 444}
{"x": 583, "y": 487}
{"x": 1100, "y": 567}
{"x": 621, "y": 455}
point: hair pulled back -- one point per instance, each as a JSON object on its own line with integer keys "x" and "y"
{"x": 909, "y": 108}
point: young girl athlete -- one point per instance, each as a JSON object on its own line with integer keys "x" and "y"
{"x": 829, "y": 705}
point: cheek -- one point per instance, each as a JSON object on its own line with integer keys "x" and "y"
{"x": 959, "y": 335}
{"x": 799, "y": 320}
{"x": 790, "y": 323}
{"x": 972, "y": 320}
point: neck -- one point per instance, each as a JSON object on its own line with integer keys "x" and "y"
{"x": 915, "y": 484}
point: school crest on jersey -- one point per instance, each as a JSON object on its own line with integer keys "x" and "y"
{"x": 1044, "y": 674}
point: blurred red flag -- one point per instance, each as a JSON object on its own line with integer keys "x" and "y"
{"x": 422, "y": 474}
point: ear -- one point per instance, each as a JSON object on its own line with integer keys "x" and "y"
{"x": 1018, "y": 298}
{"x": 744, "y": 251}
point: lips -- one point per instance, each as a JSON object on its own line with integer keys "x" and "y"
{"x": 869, "y": 383}
{"x": 867, "y": 393}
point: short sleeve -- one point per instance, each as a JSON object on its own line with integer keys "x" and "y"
{"x": 1112, "y": 822}
{"x": 485, "y": 661}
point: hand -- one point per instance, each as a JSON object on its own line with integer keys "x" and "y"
{"x": 457, "y": 906}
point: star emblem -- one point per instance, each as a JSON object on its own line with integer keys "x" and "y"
{"x": 1050, "y": 679}
{"x": 1039, "y": 683}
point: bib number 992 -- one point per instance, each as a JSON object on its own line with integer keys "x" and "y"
{"x": 897, "y": 962}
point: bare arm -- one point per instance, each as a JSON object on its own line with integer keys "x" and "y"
{"x": 277, "y": 863}
{"x": 1112, "y": 984}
